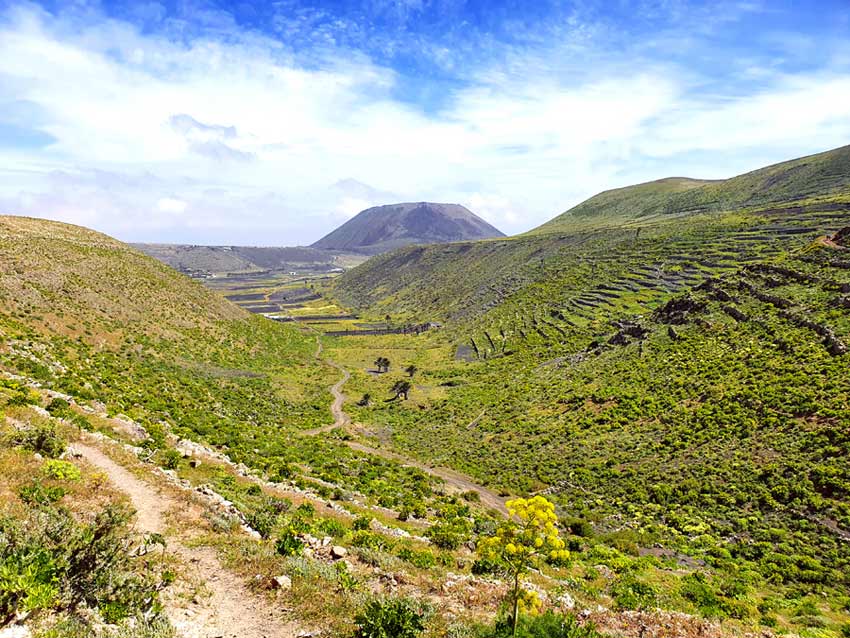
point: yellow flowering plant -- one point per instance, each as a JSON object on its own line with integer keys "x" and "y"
{"x": 528, "y": 536}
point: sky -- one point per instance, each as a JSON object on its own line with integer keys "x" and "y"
{"x": 270, "y": 123}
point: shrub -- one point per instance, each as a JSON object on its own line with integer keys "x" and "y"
{"x": 449, "y": 534}
{"x": 49, "y": 560}
{"x": 362, "y": 522}
{"x": 630, "y": 593}
{"x": 306, "y": 510}
{"x": 170, "y": 459}
{"x": 581, "y": 527}
{"x": 61, "y": 470}
{"x": 288, "y": 543}
{"x": 423, "y": 559}
{"x": 546, "y": 625}
{"x": 58, "y": 407}
{"x": 370, "y": 540}
{"x": 332, "y": 527}
{"x": 391, "y": 618}
{"x": 39, "y": 494}
{"x": 41, "y": 438}
{"x": 483, "y": 567}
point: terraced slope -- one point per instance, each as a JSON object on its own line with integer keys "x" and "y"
{"x": 461, "y": 282}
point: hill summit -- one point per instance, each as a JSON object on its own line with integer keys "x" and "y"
{"x": 383, "y": 228}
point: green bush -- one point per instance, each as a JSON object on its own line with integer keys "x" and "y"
{"x": 449, "y": 534}
{"x": 61, "y": 470}
{"x": 630, "y": 593}
{"x": 41, "y": 438}
{"x": 391, "y": 618}
{"x": 331, "y": 527}
{"x": 288, "y": 543}
{"x": 170, "y": 459}
{"x": 423, "y": 559}
{"x": 37, "y": 493}
{"x": 362, "y": 522}
{"x": 546, "y": 625}
{"x": 369, "y": 540}
{"x": 49, "y": 560}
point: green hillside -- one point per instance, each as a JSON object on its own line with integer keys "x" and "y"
{"x": 88, "y": 316}
{"x": 820, "y": 175}
{"x": 677, "y": 385}
{"x": 622, "y": 205}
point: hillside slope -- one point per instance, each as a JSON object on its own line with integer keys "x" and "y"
{"x": 675, "y": 385}
{"x": 384, "y": 228}
{"x": 94, "y": 318}
{"x": 820, "y": 175}
{"x": 609, "y": 238}
{"x": 87, "y": 316}
{"x": 622, "y": 205}
{"x": 233, "y": 259}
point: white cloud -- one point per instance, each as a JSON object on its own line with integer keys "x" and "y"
{"x": 171, "y": 205}
{"x": 204, "y": 139}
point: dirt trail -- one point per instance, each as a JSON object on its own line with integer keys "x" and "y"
{"x": 230, "y": 610}
{"x": 341, "y": 419}
{"x": 457, "y": 480}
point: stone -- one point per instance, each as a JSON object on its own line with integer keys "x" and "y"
{"x": 566, "y": 601}
{"x": 282, "y": 582}
{"x": 338, "y": 551}
{"x": 194, "y": 463}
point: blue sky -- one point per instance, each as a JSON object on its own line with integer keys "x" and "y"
{"x": 270, "y": 123}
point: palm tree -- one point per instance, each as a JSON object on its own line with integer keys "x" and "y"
{"x": 411, "y": 370}
{"x": 401, "y": 389}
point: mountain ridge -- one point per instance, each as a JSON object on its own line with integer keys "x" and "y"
{"x": 819, "y": 174}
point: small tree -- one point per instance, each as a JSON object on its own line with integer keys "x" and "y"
{"x": 411, "y": 370}
{"x": 365, "y": 400}
{"x": 521, "y": 542}
{"x": 401, "y": 389}
{"x": 383, "y": 364}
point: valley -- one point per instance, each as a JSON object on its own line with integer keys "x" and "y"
{"x": 666, "y": 363}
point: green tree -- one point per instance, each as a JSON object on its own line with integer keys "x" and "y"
{"x": 401, "y": 389}
{"x": 521, "y": 542}
{"x": 411, "y": 370}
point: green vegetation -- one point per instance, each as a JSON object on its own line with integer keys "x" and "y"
{"x": 66, "y": 546}
{"x": 670, "y": 375}
{"x": 666, "y": 365}
{"x": 392, "y": 618}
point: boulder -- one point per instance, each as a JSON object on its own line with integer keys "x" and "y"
{"x": 337, "y": 552}
{"x": 282, "y": 582}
